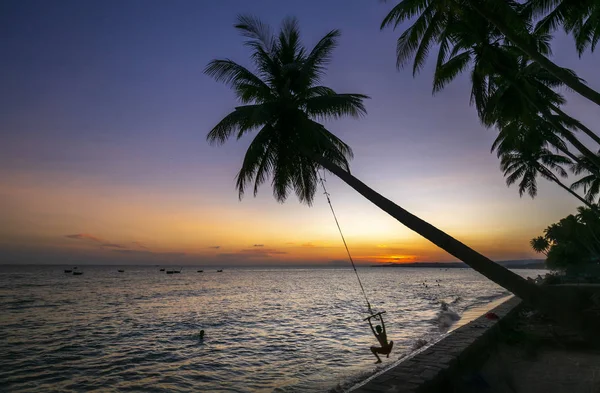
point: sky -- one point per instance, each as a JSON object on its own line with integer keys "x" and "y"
{"x": 104, "y": 111}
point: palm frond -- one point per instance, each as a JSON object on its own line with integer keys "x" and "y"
{"x": 258, "y": 161}
{"x": 319, "y": 57}
{"x": 445, "y": 73}
{"x": 403, "y": 11}
{"x": 257, "y": 31}
{"x": 433, "y": 30}
{"x": 315, "y": 91}
{"x": 291, "y": 49}
{"x": 242, "y": 120}
{"x": 248, "y": 86}
{"x": 334, "y": 106}
{"x": 409, "y": 41}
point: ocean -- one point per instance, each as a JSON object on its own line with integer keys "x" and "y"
{"x": 266, "y": 330}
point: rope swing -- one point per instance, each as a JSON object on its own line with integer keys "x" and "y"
{"x": 322, "y": 179}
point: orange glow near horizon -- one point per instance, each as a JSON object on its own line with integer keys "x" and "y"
{"x": 87, "y": 216}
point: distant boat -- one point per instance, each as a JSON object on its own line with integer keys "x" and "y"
{"x": 68, "y": 270}
{"x": 220, "y": 271}
{"x": 77, "y": 273}
{"x": 75, "y": 267}
{"x": 162, "y": 270}
{"x": 200, "y": 271}
{"x": 120, "y": 270}
{"x": 170, "y": 271}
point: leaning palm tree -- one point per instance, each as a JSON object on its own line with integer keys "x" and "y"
{"x": 590, "y": 182}
{"x": 433, "y": 17}
{"x": 580, "y": 18}
{"x": 501, "y": 77}
{"x": 525, "y": 159}
{"x": 540, "y": 244}
{"x": 283, "y": 100}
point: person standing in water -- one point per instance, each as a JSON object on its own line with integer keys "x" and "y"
{"x": 380, "y": 334}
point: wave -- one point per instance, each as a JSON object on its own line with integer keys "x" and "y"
{"x": 446, "y": 317}
{"x": 482, "y": 300}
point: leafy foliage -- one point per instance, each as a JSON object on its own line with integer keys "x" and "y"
{"x": 590, "y": 183}
{"x": 283, "y": 101}
{"x": 581, "y": 18}
{"x": 525, "y": 160}
{"x": 510, "y": 91}
{"x": 573, "y": 242}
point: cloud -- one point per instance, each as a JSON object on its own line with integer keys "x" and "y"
{"x": 118, "y": 248}
{"x": 95, "y": 239}
{"x": 150, "y": 253}
{"x": 113, "y": 245}
{"x": 140, "y": 245}
{"x": 309, "y": 244}
{"x": 84, "y": 236}
{"x": 254, "y": 253}
{"x": 215, "y": 247}
{"x": 290, "y": 243}
{"x": 259, "y": 245}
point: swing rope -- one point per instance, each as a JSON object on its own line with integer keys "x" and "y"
{"x": 322, "y": 179}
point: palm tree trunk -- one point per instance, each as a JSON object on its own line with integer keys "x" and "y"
{"x": 540, "y": 297}
{"x": 530, "y": 50}
{"x": 573, "y": 157}
{"x": 502, "y": 276}
{"x": 587, "y": 153}
{"x": 577, "y": 123}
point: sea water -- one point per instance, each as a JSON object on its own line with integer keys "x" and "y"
{"x": 266, "y": 330}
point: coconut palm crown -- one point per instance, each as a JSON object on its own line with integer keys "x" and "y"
{"x": 284, "y": 101}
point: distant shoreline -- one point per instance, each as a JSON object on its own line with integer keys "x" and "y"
{"x": 513, "y": 264}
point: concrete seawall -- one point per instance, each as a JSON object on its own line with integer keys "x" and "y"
{"x": 431, "y": 368}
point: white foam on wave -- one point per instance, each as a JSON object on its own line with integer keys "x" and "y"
{"x": 446, "y": 316}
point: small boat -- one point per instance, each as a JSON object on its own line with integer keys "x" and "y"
{"x": 75, "y": 267}
{"x": 176, "y": 271}
{"x": 120, "y": 270}
{"x": 220, "y": 271}
{"x": 200, "y": 271}
{"x": 68, "y": 270}
{"x": 162, "y": 270}
{"x": 170, "y": 271}
{"x": 77, "y": 273}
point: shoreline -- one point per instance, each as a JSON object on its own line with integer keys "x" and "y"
{"x": 420, "y": 368}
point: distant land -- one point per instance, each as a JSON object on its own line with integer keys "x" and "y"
{"x": 512, "y": 264}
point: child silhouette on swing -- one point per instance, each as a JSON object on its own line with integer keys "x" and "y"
{"x": 381, "y": 336}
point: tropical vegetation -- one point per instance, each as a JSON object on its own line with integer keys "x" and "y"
{"x": 283, "y": 101}
{"x": 516, "y": 88}
{"x": 573, "y": 243}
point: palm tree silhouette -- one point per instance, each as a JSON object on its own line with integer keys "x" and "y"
{"x": 540, "y": 244}
{"x": 435, "y": 19}
{"x": 581, "y": 18}
{"x": 505, "y": 85}
{"x": 526, "y": 159}
{"x": 282, "y": 101}
{"x": 590, "y": 182}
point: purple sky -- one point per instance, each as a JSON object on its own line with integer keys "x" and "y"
{"x": 104, "y": 110}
